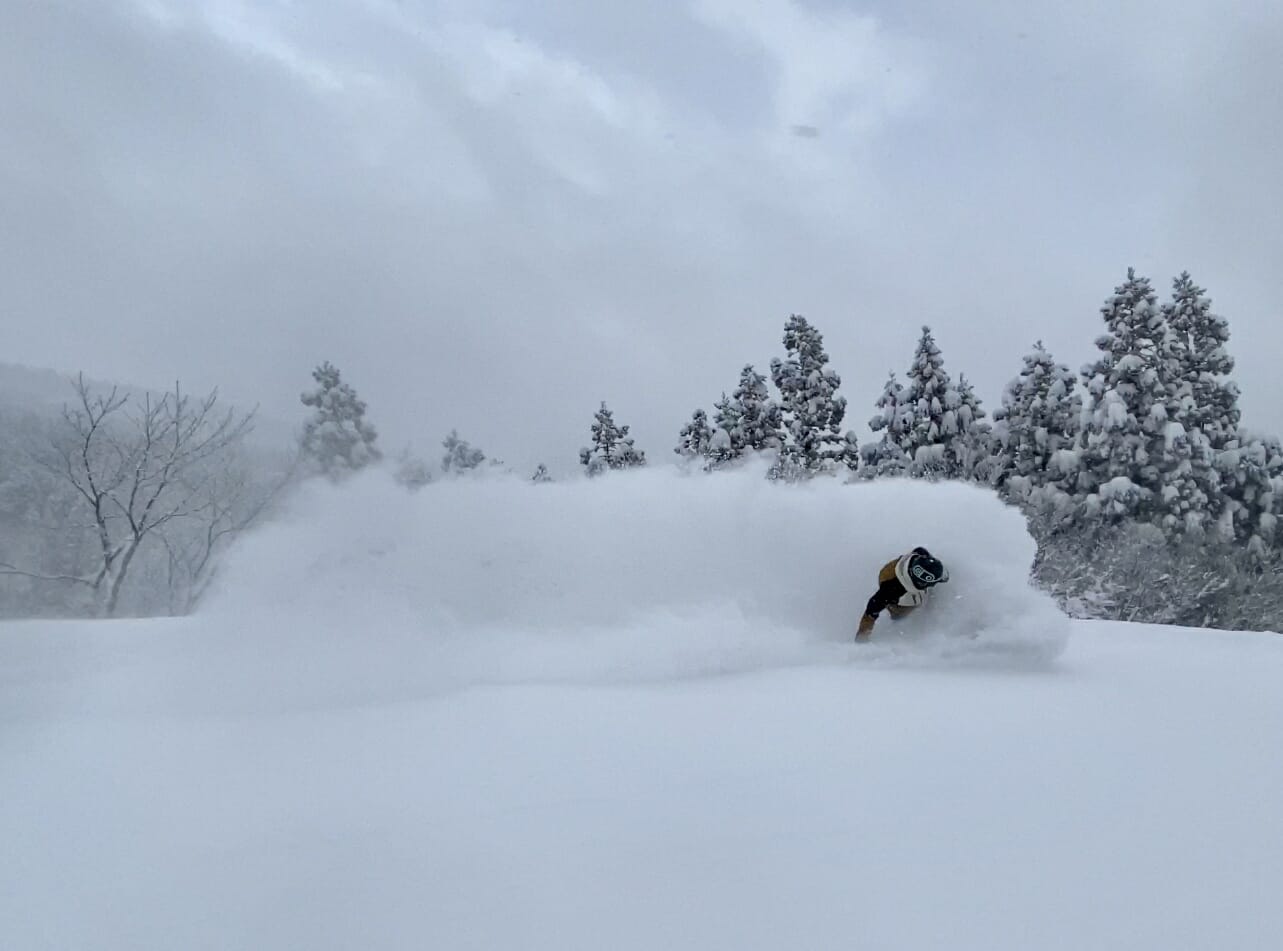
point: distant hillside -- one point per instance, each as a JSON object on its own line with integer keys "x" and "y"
{"x": 41, "y": 390}
{"x": 34, "y": 388}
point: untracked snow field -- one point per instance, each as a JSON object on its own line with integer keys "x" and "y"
{"x": 627, "y": 714}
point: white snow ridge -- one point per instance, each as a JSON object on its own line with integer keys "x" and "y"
{"x": 627, "y": 714}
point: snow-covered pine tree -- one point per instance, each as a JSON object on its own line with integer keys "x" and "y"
{"x": 1036, "y": 431}
{"x": 727, "y": 441}
{"x": 411, "y": 471}
{"x": 852, "y": 456}
{"x": 1215, "y": 411}
{"x": 1251, "y": 468}
{"x": 460, "y": 457}
{"x": 931, "y": 404}
{"x": 972, "y": 447}
{"x": 1126, "y": 433}
{"x": 612, "y": 447}
{"x": 886, "y": 457}
{"x": 1182, "y": 503}
{"x": 883, "y": 459}
{"x": 759, "y": 420}
{"x": 746, "y": 421}
{"x": 695, "y": 438}
{"x": 1201, "y": 397}
{"x": 337, "y": 440}
{"x": 811, "y": 411}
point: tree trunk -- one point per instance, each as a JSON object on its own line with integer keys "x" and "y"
{"x": 118, "y": 581}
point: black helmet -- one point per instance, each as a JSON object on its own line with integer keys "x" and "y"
{"x": 925, "y": 569}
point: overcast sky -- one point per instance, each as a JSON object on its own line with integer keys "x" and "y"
{"x": 494, "y": 214}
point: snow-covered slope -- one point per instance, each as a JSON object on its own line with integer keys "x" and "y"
{"x": 626, "y": 714}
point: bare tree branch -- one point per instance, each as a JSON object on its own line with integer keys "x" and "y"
{"x": 137, "y": 466}
{"x": 7, "y": 569}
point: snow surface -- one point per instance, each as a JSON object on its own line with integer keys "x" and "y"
{"x": 626, "y": 713}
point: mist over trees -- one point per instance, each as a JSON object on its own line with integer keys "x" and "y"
{"x": 460, "y": 456}
{"x": 124, "y": 502}
{"x": 1147, "y": 497}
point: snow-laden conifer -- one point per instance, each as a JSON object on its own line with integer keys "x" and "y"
{"x": 1126, "y": 431}
{"x": 972, "y": 447}
{"x": 460, "y": 456}
{"x": 811, "y": 410}
{"x": 886, "y": 456}
{"x": 1203, "y": 413}
{"x": 411, "y": 472}
{"x": 931, "y": 404}
{"x": 759, "y": 420}
{"x": 1036, "y": 431}
{"x": 695, "y": 438}
{"x": 612, "y": 447}
{"x": 1251, "y": 467}
{"x": 337, "y": 439}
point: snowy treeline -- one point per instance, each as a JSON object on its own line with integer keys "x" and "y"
{"x": 931, "y": 427}
{"x": 801, "y": 430}
{"x": 1147, "y": 497}
{"x": 1149, "y": 500}
{"x": 1152, "y": 435}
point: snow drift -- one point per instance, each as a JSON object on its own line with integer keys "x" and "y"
{"x": 637, "y": 576}
{"x": 297, "y": 767}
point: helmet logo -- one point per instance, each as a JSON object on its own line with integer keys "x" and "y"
{"x": 922, "y": 574}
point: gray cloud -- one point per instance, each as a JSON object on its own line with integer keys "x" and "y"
{"x": 493, "y": 215}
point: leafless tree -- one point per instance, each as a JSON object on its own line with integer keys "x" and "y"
{"x": 138, "y": 465}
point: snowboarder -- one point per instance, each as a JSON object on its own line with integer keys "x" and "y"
{"x": 903, "y": 584}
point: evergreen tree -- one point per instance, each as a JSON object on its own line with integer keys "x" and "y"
{"x": 1252, "y": 469}
{"x": 460, "y": 457}
{"x": 694, "y": 440}
{"x": 811, "y": 411}
{"x": 1037, "y": 429}
{"x": 1202, "y": 400}
{"x": 972, "y": 448}
{"x": 886, "y": 457}
{"x": 746, "y": 421}
{"x": 726, "y": 442}
{"x": 1126, "y": 433}
{"x": 1186, "y": 476}
{"x": 1214, "y": 409}
{"x": 337, "y": 440}
{"x": 411, "y": 471}
{"x": 612, "y": 447}
{"x": 758, "y": 417}
{"x": 851, "y": 456}
{"x": 931, "y": 404}
{"x": 721, "y": 449}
